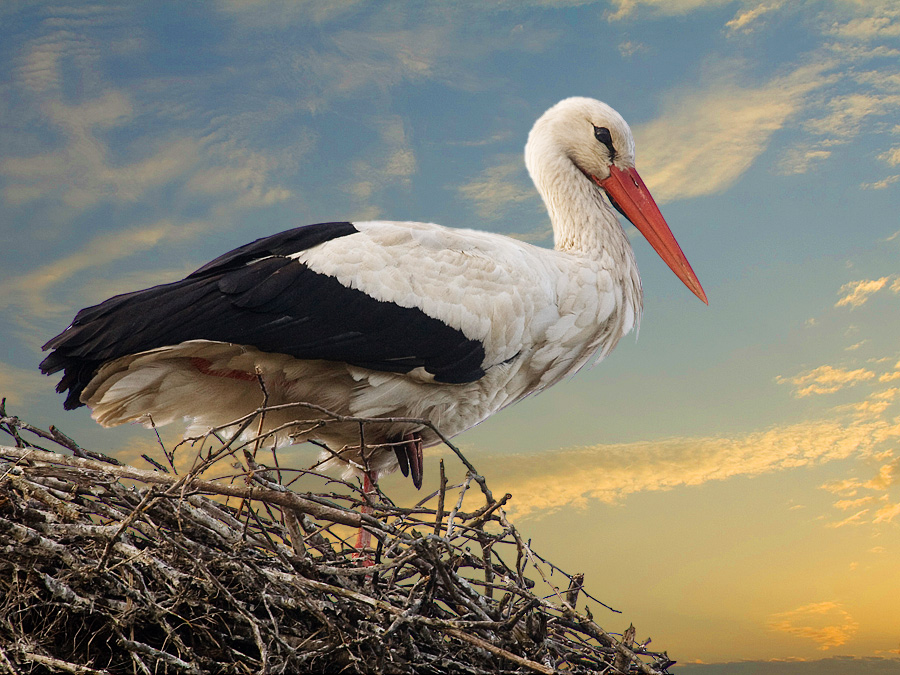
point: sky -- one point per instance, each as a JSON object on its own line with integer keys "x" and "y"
{"x": 730, "y": 479}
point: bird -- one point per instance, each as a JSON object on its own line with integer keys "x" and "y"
{"x": 402, "y": 320}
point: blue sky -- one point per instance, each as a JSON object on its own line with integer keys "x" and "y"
{"x": 751, "y": 444}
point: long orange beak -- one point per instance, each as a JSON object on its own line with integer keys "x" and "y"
{"x": 631, "y": 197}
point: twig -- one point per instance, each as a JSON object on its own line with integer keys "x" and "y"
{"x": 440, "y": 508}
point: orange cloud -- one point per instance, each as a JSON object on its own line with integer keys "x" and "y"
{"x": 825, "y": 380}
{"x": 886, "y": 513}
{"x": 856, "y": 293}
{"x": 882, "y": 482}
{"x": 547, "y": 482}
{"x": 825, "y": 623}
{"x": 855, "y": 519}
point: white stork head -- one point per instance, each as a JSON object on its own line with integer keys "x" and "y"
{"x": 588, "y": 132}
{"x": 582, "y": 147}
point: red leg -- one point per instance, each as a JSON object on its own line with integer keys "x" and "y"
{"x": 364, "y": 537}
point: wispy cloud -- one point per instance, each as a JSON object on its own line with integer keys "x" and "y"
{"x": 827, "y": 624}
{"x": 881, "y": 184}
{"x": 83, "y": 172}
{"x": 626, "y": 8}
{"x": 18, "y": 385}
{"x": 856, "y": 293}
{"x": 629, "y": 48}
{"x": 548, "y": 482}
{"x": 438, "y": 44}
{"x": 244, "y": 176}
{"x": 845, "y": 114}
{"x": 802, "y": 159}
{"x": 747, "y": 20}
{"x": 498, "y": 187}
{"x": 868, "y": 28}
{"x": 855, "y": 519}
{"x": 30, "y": 292}
{"x": 391, "y": 163}
{"x": 720, "y": 131}
{"x": 891, "y": 156}
{"x": 877, "y": 494}
{"x": 825, "y": 380}
{"x": 266, "y": 13}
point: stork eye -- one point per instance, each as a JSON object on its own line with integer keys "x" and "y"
{"x": 602, "y": 134}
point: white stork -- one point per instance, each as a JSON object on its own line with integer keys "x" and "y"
{"x": 379, "y": 318}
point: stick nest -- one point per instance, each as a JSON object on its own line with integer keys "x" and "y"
{"x": 229, "y": 568}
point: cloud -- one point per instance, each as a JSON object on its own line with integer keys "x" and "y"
{"x": 392, "y": 163}
{"x": 497, "y": 137}
{"x": 720, "y": 131}
{"x": 266, "y": 13}
{"x": 19, "y": 385}
{"x": 63, "y": 39}
{"x": 878, "y": 402}
{"x": 886, "y": 513}
{"x": 825, "y": 380}
{"x": 91, "y": 143}
{"x": 825, "y": 623}
{"x": 244, "y": 175}
{"x": 846, "y": 114}
{"x": 30, "y": 291}
{"x": 891, "y": 156}
{"x": 855, "y": 519}
{"x": 498, "y": 187}
{"x": 83, "y": 172}
{"x": 748, "y": 20}
{"x": 881, "y": 184}
{"x": 445, "y": 46}
{"x": 800, "y": 159}
{"x": 873, "y": 491}
{"x": 629, "y": 48}
{"x": 548, "y": 482}
{"x": 625, "y": 8}
{"x": 887, "y": 475}
{"x": 868, "y": 28}
{"x": 857, "y": 293}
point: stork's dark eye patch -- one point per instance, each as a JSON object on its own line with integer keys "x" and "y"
{"x": 603, "y": 136}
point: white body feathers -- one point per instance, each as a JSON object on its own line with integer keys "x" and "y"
{"x": 538, "y": 314}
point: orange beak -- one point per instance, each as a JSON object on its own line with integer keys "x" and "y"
{"x": 631, "y": 197}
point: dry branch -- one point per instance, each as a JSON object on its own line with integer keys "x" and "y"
{"x": 107, "y": 568}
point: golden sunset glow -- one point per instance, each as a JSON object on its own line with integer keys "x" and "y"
{"x": 729, "y": 480}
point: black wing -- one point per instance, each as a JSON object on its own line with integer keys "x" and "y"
{"x": 256, "y": 295}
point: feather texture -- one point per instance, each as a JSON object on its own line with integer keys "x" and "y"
{"x": 376, "y": 318}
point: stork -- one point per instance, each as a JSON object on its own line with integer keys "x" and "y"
{"x": 393, "y": 319}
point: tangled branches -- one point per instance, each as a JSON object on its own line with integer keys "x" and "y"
{"x": 109, "y": 568}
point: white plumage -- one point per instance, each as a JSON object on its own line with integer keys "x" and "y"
{"x": 387, "y": 318}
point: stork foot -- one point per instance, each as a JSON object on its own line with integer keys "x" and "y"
{"x": 409, "y": 456}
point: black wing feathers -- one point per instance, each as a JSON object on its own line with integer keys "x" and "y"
{"x": 257, "y": 296}
{"x": 283, "y": 243}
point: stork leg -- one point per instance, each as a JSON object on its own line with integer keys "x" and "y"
{"x": 364, "y": 537}
{"x": 408, "y": 449}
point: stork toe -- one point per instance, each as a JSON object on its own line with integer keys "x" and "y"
{"x": 409, "y": 457}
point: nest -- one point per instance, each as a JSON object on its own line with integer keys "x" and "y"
{"x": 108, "y": 568}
